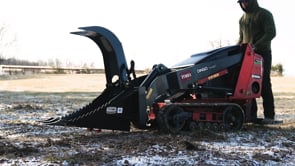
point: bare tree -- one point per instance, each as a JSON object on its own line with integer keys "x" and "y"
{"x": 58, "y": 63}
{"x": 51, "y": 63}
{"x": 277, "y": 70}
{"x": 7, "y": 40}
{"x": 219, "y": 43}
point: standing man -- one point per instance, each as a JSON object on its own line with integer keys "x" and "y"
{"x": 257, "y": 28}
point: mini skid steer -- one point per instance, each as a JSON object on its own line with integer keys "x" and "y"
{"x": 212, "y": 90}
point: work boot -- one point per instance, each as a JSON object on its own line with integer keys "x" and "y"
{"x": 256, "y": 120}
{"x": 267, "y": 121}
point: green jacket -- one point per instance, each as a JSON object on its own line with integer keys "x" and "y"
{"x": 257, "y": 27}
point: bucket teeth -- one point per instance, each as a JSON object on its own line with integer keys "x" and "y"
{"x": 51, "y": 121}
{"x": 93, "y": 114}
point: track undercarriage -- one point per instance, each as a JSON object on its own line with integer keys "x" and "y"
{"x": 196, "y": 116}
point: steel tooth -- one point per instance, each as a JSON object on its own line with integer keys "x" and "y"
{"x": 47, "y": 120}
{"x": 53, "y": 120}
{"x": 94, "y": 105}
{"x": 81, "y": 111}
{"x": 87, "y": 113}
{"x": 59, "y": 122}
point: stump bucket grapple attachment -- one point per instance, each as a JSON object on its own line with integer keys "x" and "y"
{"x": 212, "y": 89}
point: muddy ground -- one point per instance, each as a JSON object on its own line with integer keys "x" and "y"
{"x": 25, "y": 141}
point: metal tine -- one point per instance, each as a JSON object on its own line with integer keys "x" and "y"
{"x": 58, "y": 122}
{"x": 47, "y": 120}
{"x": 51, "y": 120}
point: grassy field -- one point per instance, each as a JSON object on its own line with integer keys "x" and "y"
{"x": 54, "y": 83}
{"x": 92, "y": 83}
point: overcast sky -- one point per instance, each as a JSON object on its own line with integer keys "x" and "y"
{"x": 151, "y": 31}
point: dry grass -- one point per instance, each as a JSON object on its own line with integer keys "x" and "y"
{"x": 283, "y": 84}
{"x": 55, "y": 83}
{"x": 94, "y": 83}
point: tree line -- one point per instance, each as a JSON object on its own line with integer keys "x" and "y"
{"x": 276, "y": 70}
{"x": 14, "y": 61}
